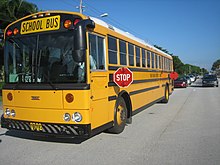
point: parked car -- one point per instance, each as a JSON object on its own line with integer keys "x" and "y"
{"x": 210, "y": 80}
{"x": 188, "y": 80}
{"x": 192, "y": 78}
{"x": 180, "y": 82}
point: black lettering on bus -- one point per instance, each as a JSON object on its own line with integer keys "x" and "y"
{"x": 40, "y": 24}
{"x": 33, "y": 26}
{"x": 24, "y": 27}
{"x": 48, "y": 23}
{"x": 29, "y": 26}
{"x": 51, "y": 23}
{"x": 56, "y": 22}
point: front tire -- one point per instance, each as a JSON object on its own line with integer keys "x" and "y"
{"x": 120, "y": 116}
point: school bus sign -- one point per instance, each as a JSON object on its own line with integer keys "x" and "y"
{"x": 123, "y": 77}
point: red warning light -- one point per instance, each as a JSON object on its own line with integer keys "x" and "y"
{"x": 76, "y": 21}
{"x": 9, "y": 33}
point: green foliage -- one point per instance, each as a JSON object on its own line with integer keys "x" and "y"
{"x": 177, "y": 64}
{"x": 216, "y": 65}
{"x": 180, "y": 67}
{"x": 11, "y": 10}
{"x": 1, "y": 85}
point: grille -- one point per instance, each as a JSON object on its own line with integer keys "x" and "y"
{"x": 48, "y": 128}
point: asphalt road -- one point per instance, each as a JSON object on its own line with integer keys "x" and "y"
{"x": 186, "y": 131}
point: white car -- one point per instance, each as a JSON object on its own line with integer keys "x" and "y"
{"x": 192, "y": 78}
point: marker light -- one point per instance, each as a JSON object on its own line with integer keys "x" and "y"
{"x": 47, "y": 14}
{"x": 76, "y": 21}
{"x": 9, "y": 33}
{"x": 69, "y": 98}
{"x": 16, "y": 31}
{"x": 66, "y": 117}
{"x": 7, "y": 112}
{"x": 13, "y": 113}
{"x": 67, "y": 24}
{"x": 34, "y": 16}
{"x": 77, "y": 117}
{"x": 40, "y": 15}
{"x": 10, "y": 96}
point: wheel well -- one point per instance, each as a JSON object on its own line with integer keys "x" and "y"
{"x": 127, "y": 99}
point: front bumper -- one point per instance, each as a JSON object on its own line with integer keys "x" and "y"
{"x": 208, "y": 84}
{"x": 67, "y": 130}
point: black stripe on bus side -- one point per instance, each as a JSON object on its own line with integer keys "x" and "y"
{"x": 111, "y": 83}
{"x": 143, "y": 90}
{"x": 146, "y": 106}
{"x": 111, "y": 98}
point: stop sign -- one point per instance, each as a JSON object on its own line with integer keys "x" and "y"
{"x": 123, "y": 77}
{"x": 174, "y": 75}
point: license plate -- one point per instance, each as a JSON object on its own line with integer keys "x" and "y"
{"x": 40, "y": 25}
{"x": 36, "y": 126}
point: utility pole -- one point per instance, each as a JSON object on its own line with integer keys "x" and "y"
{"x": 80, "y": 7}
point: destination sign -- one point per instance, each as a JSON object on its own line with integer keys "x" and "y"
{"x": 40, "y": 25}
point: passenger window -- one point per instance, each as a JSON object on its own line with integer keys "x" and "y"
{"x": 112, "y": 50}
{"x": 148, "y": 59}
{"x": 137, "y": 56}
{"x": 131, "y": 54}
{"x": 152, "y": 60}
{"x": 143, "y": 58}
{"x": 96, "y": 52}
{"x": 123, "y": 60}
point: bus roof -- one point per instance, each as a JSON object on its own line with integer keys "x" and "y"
{"x": 102, "y": 23}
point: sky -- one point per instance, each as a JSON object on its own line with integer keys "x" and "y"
{"x": 190, "y": 29}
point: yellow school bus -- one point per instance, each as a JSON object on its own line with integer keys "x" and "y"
{"x": 59, "y": 70}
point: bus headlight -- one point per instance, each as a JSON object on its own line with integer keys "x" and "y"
{"x": 77, "y": 117}
{"x": 7, "y": 112}
{"x": 66, "y": 117}
{"x": 13, "y": 113}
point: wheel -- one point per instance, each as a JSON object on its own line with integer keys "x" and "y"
{"x": 120, "y": 116}
{"x": 166, "y": 95}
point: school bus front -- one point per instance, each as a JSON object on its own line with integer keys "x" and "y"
{"x": 47, "y": 86}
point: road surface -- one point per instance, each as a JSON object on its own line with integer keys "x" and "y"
{"x": 186, "y": 131}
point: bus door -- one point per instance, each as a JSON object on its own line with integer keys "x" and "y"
{"x": 99, "y": 81}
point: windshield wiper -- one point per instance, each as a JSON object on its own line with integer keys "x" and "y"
{"x": 50, "y": 82}
{"x": 20, "y": 81}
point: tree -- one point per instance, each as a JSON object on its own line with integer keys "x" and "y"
{"x": 216, "y": 65}
{"x": 11, "y": 10}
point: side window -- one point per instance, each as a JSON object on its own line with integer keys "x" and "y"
{"x": 131, "y": 54}
{"x": 156, "y": 60}
{"x": 143, "y": 58}
{"x": 137, "y": 56}
{"x": 148, "y": 59}
{"x": 96, "y": 52}
{"x": 112, "y": 50}
{"x": 152, "y": 59}
{"x": 123, "y": 53}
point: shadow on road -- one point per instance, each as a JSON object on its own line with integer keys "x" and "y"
{"x": 30, "y": 136}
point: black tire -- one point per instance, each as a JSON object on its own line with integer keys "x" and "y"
{"x": 166, "y": 95}
{"x": 120, "y": 116}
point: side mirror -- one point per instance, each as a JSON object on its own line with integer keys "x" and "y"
{"x": 80, "y": 44}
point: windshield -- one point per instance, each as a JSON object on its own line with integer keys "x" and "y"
{"x": 42, "y": 59}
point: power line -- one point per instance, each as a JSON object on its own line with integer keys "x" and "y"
{"x": 115, "y": 22}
